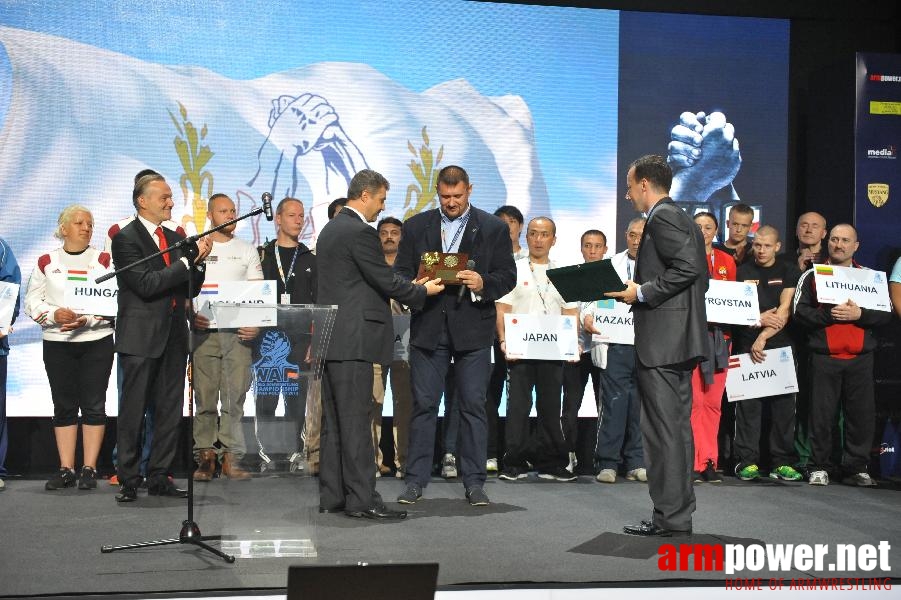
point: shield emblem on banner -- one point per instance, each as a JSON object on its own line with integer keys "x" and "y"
{"x": 877, "y": 193}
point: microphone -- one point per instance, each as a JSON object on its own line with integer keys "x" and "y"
{"x": 470, "y": 265}
{"x": 267, "y": 205}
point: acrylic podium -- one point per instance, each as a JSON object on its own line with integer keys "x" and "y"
{"x": 269, "y": 412}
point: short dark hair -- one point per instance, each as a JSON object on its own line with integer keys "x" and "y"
{"x": 142, "y": 184}
{"x": 709, "y": 215}
{"x": 742, "y": 209}
{"x": 283, "y": 201}
{"x": 511, "y": 211}
{"x": 451, "y": 175}
{"x": 593, "y": 232}
{"x": 366, "y": 180}
{"x": 333, "y": 207}
{"x": 389, "y": 221}
{"x": 653, "y": 167}
{"x": 144, "y": 173}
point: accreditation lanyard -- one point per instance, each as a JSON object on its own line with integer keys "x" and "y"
{"x": 463, "y": 222}
{"x": 286, "y": 297}
{"x": 547, "y": 285}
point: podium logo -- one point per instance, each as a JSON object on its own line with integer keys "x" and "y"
{"x": 887, "y": 152}
{"x": 877, "y": 194}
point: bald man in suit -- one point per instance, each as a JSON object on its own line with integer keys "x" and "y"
{"x": 667, "y": 296}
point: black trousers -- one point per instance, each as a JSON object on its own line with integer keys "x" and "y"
{"x": 162, "y": 379}
{"x": 847, "y": 383}
{"x": 346, "y": 471}
{"x": 749, "y": 416}
{"x": 665, "y": 394}
{"x": 78, "y": 373}
{"x": 575, "y": 377}
{"x": 546, "y": 378}
{"x": 496, "y": 384}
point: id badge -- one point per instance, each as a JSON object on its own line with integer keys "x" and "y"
{"x": 285, "y": 299}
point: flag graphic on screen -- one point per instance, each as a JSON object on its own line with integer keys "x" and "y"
{"x": 734, "y": 362}
{"x": 823, "y": 270}
{"x": 209, "y": 289}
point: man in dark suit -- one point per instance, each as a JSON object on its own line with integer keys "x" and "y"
{"x": 152, "y": 334}
{"x": 360, "y": 282}
{"x": 455, "y": 325}
{"x": 670, "y": 338}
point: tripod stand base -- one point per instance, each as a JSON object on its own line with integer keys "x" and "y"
{"x": 189, "y": 534}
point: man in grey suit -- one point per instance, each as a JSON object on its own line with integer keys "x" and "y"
{"x": 667, "y": 295}
{"x": 360, "y": 282}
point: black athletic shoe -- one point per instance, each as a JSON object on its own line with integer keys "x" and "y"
{"x": 64, "y": 478}
{"x": 87, "y": 479}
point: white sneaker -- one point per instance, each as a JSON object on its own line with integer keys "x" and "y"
{"x": 2, "y": 485}
{"x": 639, "y": 474}
{"x": 491, "y": 465}
{"x": 607, "y": 476}
{"x": 818, "y": 478}
{"x": 449, "y": 466}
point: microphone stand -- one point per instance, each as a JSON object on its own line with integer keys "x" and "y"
{"x": 190, "y": 531}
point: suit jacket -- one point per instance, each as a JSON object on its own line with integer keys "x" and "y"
{"x": 357, "y": 279}
{"x": 146, "y": 293}
{"x": 671, "y": 267}
{"x": 471, "y": 324}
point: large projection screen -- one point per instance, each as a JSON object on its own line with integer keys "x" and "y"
{"x": 544, "y": 106}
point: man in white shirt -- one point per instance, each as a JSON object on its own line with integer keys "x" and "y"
{"x": 534, "y": 294}
{"x": 222, "y": 357}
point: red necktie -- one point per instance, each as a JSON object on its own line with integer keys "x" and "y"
{"x": 166, "y": 257}
{"x": 163, "y": 244}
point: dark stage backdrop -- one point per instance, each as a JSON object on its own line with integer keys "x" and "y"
{"x": 877, "y": 174}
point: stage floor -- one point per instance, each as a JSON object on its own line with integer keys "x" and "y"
{"x": 532, "y": 533}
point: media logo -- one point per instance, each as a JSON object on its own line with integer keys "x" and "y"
{"x": 885, "y": 78}
{"x": 877, "y": 194}
{"x": 890, "y": 152}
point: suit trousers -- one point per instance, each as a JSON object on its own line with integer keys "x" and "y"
{"x": 619, "y": 417}
{"x": 665, "y": 393}
{"x": 428, "y": 369}
{"x": 346, "y": 473}
{"x": 748, "y": 424}
{"x": 163, "y": 379}
{"x": 849, "y": 383}
{"x": 221, "y": 375}
{"x": 546, "y": 378}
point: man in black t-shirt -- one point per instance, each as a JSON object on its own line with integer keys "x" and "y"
{"x": 776, "y": 281}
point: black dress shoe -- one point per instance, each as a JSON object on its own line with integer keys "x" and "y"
{"x": 127, "y": 494}
{"x": 377, "y": 512}
{"x": 166, "y": 488}
{"x": 334, "y": 509}
{"x": 647, "y": 529}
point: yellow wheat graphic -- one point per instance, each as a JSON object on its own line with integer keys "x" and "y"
{"x": 421, "y": 196}
{"x": 193, "y": 157}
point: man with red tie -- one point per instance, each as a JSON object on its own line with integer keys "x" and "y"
{"x": 152, "y": 334}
